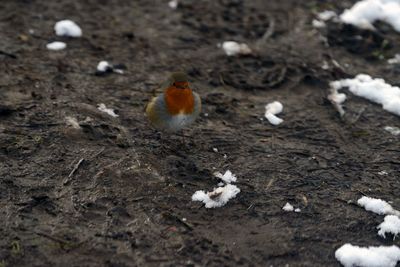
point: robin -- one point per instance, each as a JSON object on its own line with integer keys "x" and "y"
{"x": 177, "y": 107}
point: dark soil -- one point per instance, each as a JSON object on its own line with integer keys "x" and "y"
{"x": 116, "y": 192}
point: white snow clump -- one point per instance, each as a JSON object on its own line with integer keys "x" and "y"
{"x": 56, "y": 46}
{"x": 232, "y": 48}
{"x": 391, "y": 224}
{"x": 322, "y": 17}
{"x": 104, "y": 66}
{"x": 364, "y": 13}
{"x": 393, "y": 130}
{"x": 67, "y": 28}
{"x": 376, "y": 205}
{"x": 382, "y": 256}
{"x": 102, "y": 107}
{"x": 271, "y": 110}
{"x": 375, "y": 90}
{"x": 395, "y": 60}
{"x": 173, "y": 4}
{"x": 288, "y": 207}
{"x": 217, "y": 198}
{"x": 220, "y": 195}
{"x": 228, "y": 177}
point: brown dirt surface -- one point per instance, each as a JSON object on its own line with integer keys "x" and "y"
{"x": 118, "y": 193}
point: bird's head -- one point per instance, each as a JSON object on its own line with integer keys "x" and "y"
{"x": 178, "y": 80}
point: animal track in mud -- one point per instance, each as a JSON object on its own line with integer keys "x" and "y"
{"x": 227, "y": 19}
{"x": 249, "y": 74}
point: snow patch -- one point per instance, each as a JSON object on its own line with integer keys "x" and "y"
{"x": 104, "y": 66}
{"x": 217, "y": 198}
{"x": 318, "y": 23}
{"x": 288, "y": 207}
{"x": 173, "y": 4}
{"x": 220, "y": 195}
{"x": 393, "y": 130}
{"x": 109, "y": 111}
{"x": 395, "y": 60}
{"x": 375, "y": 90}
{"x": 376, "y": 205}
{"x": 271, "y": 110}
{"x": 73, "y": 122}
{"x": 326, "y": 15}
{"x": 391, "y": 224}
{"x": 56, "y": 46}
{"x": 364, "y": 13}
{"x": 322, "y": 17}
{"x": 67, "y": 28}
{"x": 228, "y": 177}
{"x": 232, "y": 48}
{"x": 382, "y": 256}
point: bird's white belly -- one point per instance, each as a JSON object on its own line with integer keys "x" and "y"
{"x": 179, "y": 121}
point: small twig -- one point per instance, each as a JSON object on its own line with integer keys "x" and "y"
{"x": 98, "y": 153}
{"x": 252, "y": 205}
{"x": 221, "y": 79}
{"x": 357, "y": 117}
{"x": 36, "y": 125}
{"x": 76, "y": 167}
{"x": 68, "y": 179}
{"x": 270, "y": 183}
{"x": 7, "y": 54}
{"x": 268, "y": 33}
{"x": 52, "y": 238}
{"x": 179, "y": 220}
{"x": 361, "y": 192}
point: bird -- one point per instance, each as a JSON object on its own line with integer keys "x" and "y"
{"x": 177, "y": 107}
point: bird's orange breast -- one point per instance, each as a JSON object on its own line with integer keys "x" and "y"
{"x": 179, "y": 101}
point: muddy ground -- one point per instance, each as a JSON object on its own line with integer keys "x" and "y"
{"x": 125, "y": 202}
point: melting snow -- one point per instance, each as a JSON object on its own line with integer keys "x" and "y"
{"x": 228, "y": 177}
{"x": 56, "y": 46}
{"x": 318, "y": 24}
{"x": 395, "y": 60}
{"x": 109, "y": 111}
{"x": 376, "y": 205}
{"x": 382, "y": 173}
{"x": 271, "y": 110}
{"x": 375, "y": 90}
{"x": 232, "y": 48}
{"x": 67, "y": 28}
{"x": 173, "y": 4}
{"x": 322, "y": 17}
{"x": 222, "y": 194}
{"x": 364, "y": 13}
{"x": 391, "y": 224}
{"x": 288, "y": 207}
{"x": 73, "y": 122}
{"x": 104, "y": 66}
{"x": 217, "y": 198}
{"x": 327, "y": 15}
{"x": 382, "y": 256}
{"x": 393, "y": 130}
